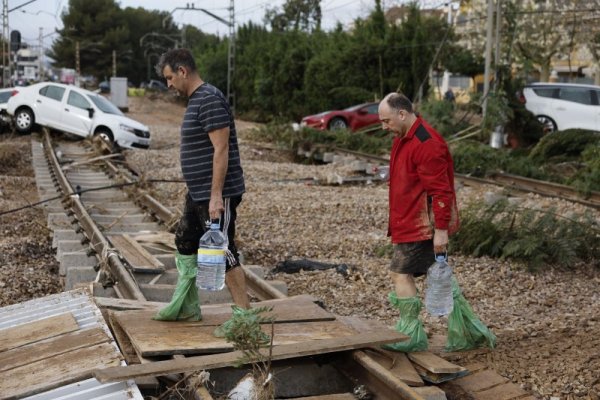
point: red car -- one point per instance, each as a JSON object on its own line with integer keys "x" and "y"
{"x": 352, "y": 118}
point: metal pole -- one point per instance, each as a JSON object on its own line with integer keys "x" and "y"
{"x": 77, "y": 64}
{"x": 488, "y": 54}
{"x": 231, "y": 57}
{"x": 5, "y": 46}
{"x": 41, "y": 58}
{"x": 114, "y": 63}
{"x": 497, "y": 43}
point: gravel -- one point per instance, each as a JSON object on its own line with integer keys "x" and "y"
{"x": 547, "y": 323}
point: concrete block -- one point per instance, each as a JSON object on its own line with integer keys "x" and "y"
{"x": 168, "y": 260}
{"x": 69, "y": 260}
{"x": 69, "y": 246}
{"x": 122, "y": 219}
{"x": 65, "y": 234}
{"x": 327, "y": 157}
{"x": 77, "y": 275}
{"x": 59, "y": 221}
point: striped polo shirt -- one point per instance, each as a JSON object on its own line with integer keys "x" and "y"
{"x": 207, "y": 111}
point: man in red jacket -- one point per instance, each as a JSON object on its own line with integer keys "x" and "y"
{"x": 423, "y": 211}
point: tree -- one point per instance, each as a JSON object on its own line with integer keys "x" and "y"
{"x": 296, "y": 15}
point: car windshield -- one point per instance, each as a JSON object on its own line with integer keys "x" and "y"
{"x": 354, "y": 108}
{"x": 105, "y": 105}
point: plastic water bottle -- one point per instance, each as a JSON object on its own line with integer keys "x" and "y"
{"x": 438, "y": 294}
{"x": 211, "y": 259}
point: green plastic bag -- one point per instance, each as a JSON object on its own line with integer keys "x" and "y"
{"x": 184, "y": 305}
{"x": 409, "y": 324}
{"x": 465, "y": 330}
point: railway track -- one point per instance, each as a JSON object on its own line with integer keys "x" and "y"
{"x": 100, "y": 206}
{"x": 511, "y": 182}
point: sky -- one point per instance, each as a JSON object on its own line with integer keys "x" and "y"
{"x": 45, "y": 14}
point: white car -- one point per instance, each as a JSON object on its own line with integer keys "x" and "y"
{"x": 76, "y": 111}
{"x": 560, "y": 106}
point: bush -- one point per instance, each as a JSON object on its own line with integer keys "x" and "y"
{"x": 564, "y": 145}
{"x": 441, "y": 115}
{"x": 478, "y": 159}
{"x": 512, "y": 232}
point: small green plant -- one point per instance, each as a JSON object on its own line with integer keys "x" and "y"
{"x": 244, "y": 331}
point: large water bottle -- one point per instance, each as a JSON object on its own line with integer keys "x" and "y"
{"x": 438, "y": 294}
{"x": 211, "y": 259}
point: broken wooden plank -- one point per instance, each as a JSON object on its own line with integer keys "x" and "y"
{"x": 280, "y": 352}
{"x": 432, "y": 377}
{"x": 52, "y": 347}
{"x": 157, "y": 338}
{"x": 31, "y": 332}
{"x": 165, "y": 239}
{"x": 122, "y": 340}
{"x": 398, "y": 365}
{"x": 136, "y": 256}
{"x": 384, "y": 376}
{"x": 481, "y": 380}
{"x": 433, "y": 363}
{"x": 60, "y": 370}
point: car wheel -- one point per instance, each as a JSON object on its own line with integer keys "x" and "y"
{"x": 548, "y": 124}
{"x": 105, "y": 135}
{"x": 337, "y": 123}
{"x": 24, "y": 120}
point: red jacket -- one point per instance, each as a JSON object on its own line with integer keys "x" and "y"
{"x": 421, "y": 183}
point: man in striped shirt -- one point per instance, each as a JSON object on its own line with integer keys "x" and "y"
{"x": 210, "y": 163}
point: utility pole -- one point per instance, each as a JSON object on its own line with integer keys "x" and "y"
{"x": 114, "y": 63}
{"x": 77, "y": 64}
{"x": 488, "y": 54}
{"x": 497, "y": 44}
{"x": 231, "y": 57}
{"x": 446, "y": 78}
{"x": 5, "y": 46}
{"x": 41, "y": 57}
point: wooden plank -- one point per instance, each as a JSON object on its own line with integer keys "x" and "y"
{"x": 481, "y": 380}
{"x": 51, "y": 347}
{"x": 165, "y": 239}
{"x": 117, "y": 304}
{"x": 31, "y": 332}
{"x": 506, "y": 391}
{"x": 154, "y": 338}
{"x": 397, "y": 364}
{"x": 137, "y": 257}
{"x": 57, "y": 371}
{"x": 291, "y": 309}
{"x": 438, "y": 378}
{"x": 214, "y": 361}
{"x": 385, "y": 376}
{"x": 122, "y": 340}
{"x": 433, "y": 363}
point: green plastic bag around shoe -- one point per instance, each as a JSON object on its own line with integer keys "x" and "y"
{"x": 409, "y": 324}
{"x": 184, "y": 305}
{"x": 465, "y": 330}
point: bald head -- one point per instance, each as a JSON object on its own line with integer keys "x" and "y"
{"x": 396, "y": 114}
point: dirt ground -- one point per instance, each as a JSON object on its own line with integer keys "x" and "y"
{"x": 547, "y": 323}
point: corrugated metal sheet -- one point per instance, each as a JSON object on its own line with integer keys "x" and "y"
{"x": 80, "y": 303}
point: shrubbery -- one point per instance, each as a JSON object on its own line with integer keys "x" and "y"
{"x": 535, "y": 237}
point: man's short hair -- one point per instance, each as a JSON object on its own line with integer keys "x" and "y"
{"x": 174, "y": 59}
{"x": 398, "y": 101}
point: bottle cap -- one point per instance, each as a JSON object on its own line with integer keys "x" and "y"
{"x": 441, "y": 257}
